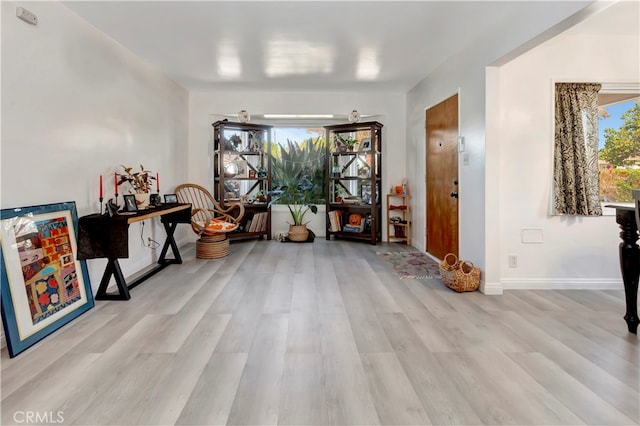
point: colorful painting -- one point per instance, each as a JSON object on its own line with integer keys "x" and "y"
{"x": 43, "y": 285}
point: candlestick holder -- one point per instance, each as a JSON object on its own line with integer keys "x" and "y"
{"x": 101, "y": 200}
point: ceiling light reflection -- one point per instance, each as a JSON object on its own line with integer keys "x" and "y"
{"x": 368, "y": 65}
{"x": 228, "y": 61}
{"x": 297, "y": 57}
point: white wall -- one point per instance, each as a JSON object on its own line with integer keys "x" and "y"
{"x": 466, "y": 73}
{"x": 578, "y": 252}
{"x": 75, "y": 105}
{"x": 204, "y": 106}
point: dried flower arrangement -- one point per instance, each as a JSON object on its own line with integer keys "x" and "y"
{"x": 139, "y": 181}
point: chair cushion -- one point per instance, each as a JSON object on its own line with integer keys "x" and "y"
{"x": 216, "y": 226}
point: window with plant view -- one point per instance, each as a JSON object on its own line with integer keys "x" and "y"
{"x": 619, "y": 150}
{"x": 298, "y": 160}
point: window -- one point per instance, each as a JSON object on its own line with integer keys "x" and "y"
{"x": 298, "y": 154}
{"x": 619, "y": 146}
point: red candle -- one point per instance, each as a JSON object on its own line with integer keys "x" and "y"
{"x": 115, "y": 182}
{"x": 158, "y": 183}
{"x": 101, "y": 197}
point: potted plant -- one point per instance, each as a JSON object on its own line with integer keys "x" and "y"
{"x": 298, "y": 201}
{"x": 139, "y": 182}
{"x": 350, "y": 143}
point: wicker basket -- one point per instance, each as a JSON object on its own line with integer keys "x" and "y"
{"x": 459, "y": 276}
{"x": 466, "y": 277}
{"x": 448, "y": 266}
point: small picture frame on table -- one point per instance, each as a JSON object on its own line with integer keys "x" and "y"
{"x": 130, "y": 204}
{"x": 155, "y": 200}
{"x": 170, "y": 198}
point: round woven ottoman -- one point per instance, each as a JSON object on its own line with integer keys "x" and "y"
{"x": 212, "y": 246}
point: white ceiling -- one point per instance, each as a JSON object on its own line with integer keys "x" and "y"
{"x": 310, "y": 45}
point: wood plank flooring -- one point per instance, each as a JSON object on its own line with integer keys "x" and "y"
{"x": 327, "y": 334}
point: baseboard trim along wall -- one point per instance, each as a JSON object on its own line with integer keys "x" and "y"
{"x": 491, "y": 289}
{"x": 562, "y": 284}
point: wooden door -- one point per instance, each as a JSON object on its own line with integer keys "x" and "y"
{"x": 442, "y": 178}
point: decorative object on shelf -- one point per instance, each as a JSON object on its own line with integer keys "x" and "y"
{"x": 242, "y": 168}
{"x": 43, "y": 285}
{"x": 101, "y": 198}
{"x": 366, "y": 193}
{"x": 154, "y": 199}
{"x": 243, "y": 116}
{"x": 140, "y": 183}
{"x": 230, "y": 170}
{"x": 365, "y": 144}
{"x": 142, "y": 200}
{"x": 130, "y": 202}
{"x": 354, "y": 116}
{"x": 112, "y": 207}
{"x": 350, "y": 143}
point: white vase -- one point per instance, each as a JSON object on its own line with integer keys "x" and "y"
{"x": 142, "y": 200}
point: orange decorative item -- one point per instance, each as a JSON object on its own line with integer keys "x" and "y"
{"x": 355, "y": 219}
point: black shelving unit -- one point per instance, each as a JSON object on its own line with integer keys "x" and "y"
{"x": 242, "y": 173}
{"x": 354, "y": 181}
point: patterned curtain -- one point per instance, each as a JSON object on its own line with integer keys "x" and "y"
{"x": 576, "y": 180}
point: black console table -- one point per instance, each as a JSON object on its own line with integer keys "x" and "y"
{"x": 629, "y": 262}
{"x": 101, "y": 236}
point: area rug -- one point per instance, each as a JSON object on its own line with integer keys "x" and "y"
{"x": 412, "y": 264}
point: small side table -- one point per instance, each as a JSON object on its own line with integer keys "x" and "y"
{"x": 398, "y": 207}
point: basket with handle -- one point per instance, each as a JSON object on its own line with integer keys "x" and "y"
{"x": 465, "y": 278}
{"x": 448, "y": 267}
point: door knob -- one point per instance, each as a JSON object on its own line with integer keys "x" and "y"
{"x": 454, "y": 195}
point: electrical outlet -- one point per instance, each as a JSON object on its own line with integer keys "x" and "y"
{"x": 27, "y": 16}
{"x": 513, "y": 261}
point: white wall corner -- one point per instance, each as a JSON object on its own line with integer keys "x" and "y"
{"x": 490, "y": 289}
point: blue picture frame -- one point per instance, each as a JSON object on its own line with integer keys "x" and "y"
{"x": 43, "y": 285}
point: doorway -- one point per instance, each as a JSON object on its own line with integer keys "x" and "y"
{"x": 441, "y": 128}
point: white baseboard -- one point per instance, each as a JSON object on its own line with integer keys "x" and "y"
{"x": 562, "y": 284}
{"x": 490, "y": 289}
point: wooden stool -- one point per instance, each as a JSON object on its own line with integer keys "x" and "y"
{"x": 212, "y": 246}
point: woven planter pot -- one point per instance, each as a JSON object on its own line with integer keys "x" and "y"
{"x": 298, "y": 233}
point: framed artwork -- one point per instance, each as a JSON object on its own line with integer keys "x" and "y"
{"x": 155, "y": 199}
{"x": 170, "y": 198}
{"x": 43, "y": 285}
{"x": 365, "y": 193}
{"x": 243, "y": 169}
{"x": 365, "y": 144}
{"x": 130, "y": 204}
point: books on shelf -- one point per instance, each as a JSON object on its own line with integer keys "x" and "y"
{"x": 335, "y": 220}
{"x": 258, "y": 223}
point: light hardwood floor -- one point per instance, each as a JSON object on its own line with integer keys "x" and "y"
{"x": 325, "y": 333}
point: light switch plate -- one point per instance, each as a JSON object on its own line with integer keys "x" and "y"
{"x": 27, "y": 16}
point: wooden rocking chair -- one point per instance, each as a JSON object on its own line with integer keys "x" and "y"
{"x": 209, "y": 220}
